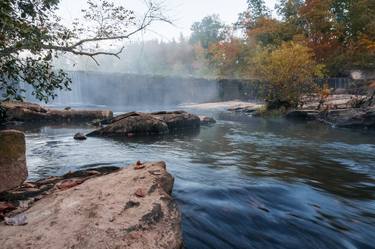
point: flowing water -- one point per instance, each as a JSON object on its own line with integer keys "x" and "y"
{"x": 244, "y": 182}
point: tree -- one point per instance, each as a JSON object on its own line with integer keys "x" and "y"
{"x": 341, "y": 32}
{"x": 258, "y": 8}
{"x": 289, "y": 72}
{"x": 229, "y": 58}
{"x": 32, "y": 37}
{"x": 209, "y": 30}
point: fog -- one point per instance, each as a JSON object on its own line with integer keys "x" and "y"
{"x": 183, "y": 13}
{"x": 158, "y": 67}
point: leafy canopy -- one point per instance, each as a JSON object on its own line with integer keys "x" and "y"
{"x": 32, "y": 37}
{"x": 208, "y": 31}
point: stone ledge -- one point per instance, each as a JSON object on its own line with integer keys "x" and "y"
{"x": 130, "y": 208}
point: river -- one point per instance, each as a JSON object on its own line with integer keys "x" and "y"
{"x": 244, "y": 182}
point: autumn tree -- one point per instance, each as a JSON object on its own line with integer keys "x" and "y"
{"x": 288, "y": 71}
{"x": 341, "y": 32}
{"x": 32, "y": 36}
{"x": 227, "y": 57}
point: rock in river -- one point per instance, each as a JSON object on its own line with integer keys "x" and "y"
{"x": 80, "y": 136}
{"x": 207, "y": 120}
{"x": 104, "y": 212}
{"x": 137, "y": 123}
{"x": 134, "y": 123}
{"x": 13, "y": 170}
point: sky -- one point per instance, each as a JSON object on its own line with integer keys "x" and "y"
{"x": 182, "y": 12}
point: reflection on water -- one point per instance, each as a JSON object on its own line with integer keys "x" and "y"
{"x": 245, "y": 182}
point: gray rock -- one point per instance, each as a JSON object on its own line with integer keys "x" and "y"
{"x": 13, "y": 170}
{"x": 350, "y": 118}
{"x": 137, "y": 124}
{"x": 140, "y": 124}
{"x": 207, "y": 120}
{"x": 80, "y": 136}
{"x": 178, "y": 120}
{"x": 302, "y": 114}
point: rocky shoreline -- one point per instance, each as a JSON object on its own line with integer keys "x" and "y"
{"x": 344, "y": 110}
{"x": 107, "y": 207}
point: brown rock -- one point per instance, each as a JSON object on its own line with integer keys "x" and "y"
{"x": 6, "y": 206}
{"x": 78, "y": 218}
{"x": 139, "y": 165}
{"x": 69, "y": 183}
{"x": 13, "y": 170}
{"x": 140, "y": 192}
{"x": 29, "y": 112}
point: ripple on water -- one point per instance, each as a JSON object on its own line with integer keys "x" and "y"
{"x": 247, "y": 183}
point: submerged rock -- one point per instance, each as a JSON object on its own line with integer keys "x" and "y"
{"x": 139, "y": 124}
{"x": 13, "y": 170}
{"x": 29, "y": 112}
{"x": 80, "y": 136}
{"x": 302, "y": 114}
{"x": 104, "y": 212}
{"x": 207, "y": 120}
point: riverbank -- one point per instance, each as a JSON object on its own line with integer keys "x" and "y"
{"x": 339, "y": 110}
{"x": 16, "y": 111}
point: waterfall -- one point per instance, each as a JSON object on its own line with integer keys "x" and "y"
{"x": 139, "y": 92}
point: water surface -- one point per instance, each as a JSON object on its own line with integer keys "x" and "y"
{"x": 244, "y": 182}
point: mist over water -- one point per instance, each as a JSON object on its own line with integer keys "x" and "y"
{"x": 123, "y": 92}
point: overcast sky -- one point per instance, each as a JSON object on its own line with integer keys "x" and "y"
{"x": 183, "y": 13}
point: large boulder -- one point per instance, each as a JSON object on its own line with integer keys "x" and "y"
{"x": 29, "y": 112}
{"x": 135, "y": 124}
{"x": 13, "y": 170}
{"x": 130, "y": 208}
{"x": 140, "y": 124}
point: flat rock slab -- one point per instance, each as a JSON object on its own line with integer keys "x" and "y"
{"x": 130, "y": 208}
{"x": 30, "y": 112}
{"x": 13, "y": 170}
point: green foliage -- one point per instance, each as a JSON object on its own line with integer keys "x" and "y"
{"x": 32, "y": 38}
{"x": 208, "y": 31}
{"x": 25, "y": 24}
{"x": 258, "y": 9}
